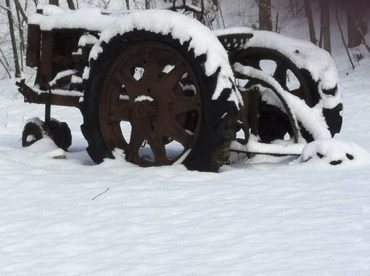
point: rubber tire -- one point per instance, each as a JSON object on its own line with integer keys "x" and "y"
{"x": 34, "y": 129}
{"x": 218, "y": 124}
{"x": 275, "y": 123}
{"x": 60, "y": 133}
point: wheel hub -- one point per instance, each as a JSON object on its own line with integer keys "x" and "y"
{"x": 151, "y": 104}
{"x": 145, "y": 106}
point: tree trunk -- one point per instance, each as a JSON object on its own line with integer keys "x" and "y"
{"x": 54, "y": 2}
{"x": 147, "y": 4}
{"x": 356, "y": 22}
{"x": 5, "y": 60}
{"x": 6, "y": 69}
{"x": 22, "y": 46}
{"x": 342, "y": 35}
{"x": 71, "y": 5}
{"x": 5, "y": 63}
{"x": 325, "y": 24}
{"x": 265, "y": 15}
{"x": 128, "y": 4}
{"x": 14, "y": 43}
{"x": 354, "y": 36}
{"x": 311, "y": 26}
{"x": 291, "y": 6}
{"x": 21, "y": 10}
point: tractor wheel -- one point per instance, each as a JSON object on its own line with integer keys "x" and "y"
{"x": 272, "y": 122}
{"x": 60, "y": 133}
{"x": 149, "y": 95}
{"x": 33, "y": 131}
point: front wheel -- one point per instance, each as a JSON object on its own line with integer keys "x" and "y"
{"x": 271, "y": 122}
{"x": 148, "y": 95}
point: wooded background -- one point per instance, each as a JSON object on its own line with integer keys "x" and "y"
{"x": 351, "y": 17}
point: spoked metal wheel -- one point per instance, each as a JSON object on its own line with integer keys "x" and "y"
{"x": 289, "y": 76}
{"x": 58, "y": 131}
{"x": 33, "y": 131}
{"x": 269, "y": 122}
{"x": 149, "y": 95}
{"x": 150, "y": 104}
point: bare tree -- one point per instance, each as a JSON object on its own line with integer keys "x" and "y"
{"x": 342, "y": 35}
{"x": 311, "y": 26}
{"x": 54, "y": 2}
{"x": 5, "y": 63}
{"x": 325, "y": 37}
{"x": 21, "y": 10}
{"x": 22, "y": 45}
{"x": 265, "y": 15}
{"x": 71, "y": 4}
{"x": 356, "y": 23}
{"x": 13, "y": 40}
{"x": 128, "y": 4}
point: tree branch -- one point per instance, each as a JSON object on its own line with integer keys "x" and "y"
{"x": 20, "y": 9}
{"x": 6, "y": 69}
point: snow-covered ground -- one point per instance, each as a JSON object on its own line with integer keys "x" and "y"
{"x": 71, "y": 217}
{"x": 265, "y": 216}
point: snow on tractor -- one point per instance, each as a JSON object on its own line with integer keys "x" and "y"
{"x": 162, "y": 88}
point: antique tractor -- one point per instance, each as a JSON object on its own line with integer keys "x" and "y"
{"x": 161, "y": 88}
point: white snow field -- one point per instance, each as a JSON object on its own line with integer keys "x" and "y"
{"x": 259, "y": 217}
{"x": 263, "y": 216}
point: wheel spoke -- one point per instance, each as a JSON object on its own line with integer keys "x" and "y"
{"x": 174, "y": 76}
{"x": 128, "y": 81}
{"x": 280, "y": 75}
{"x": 120, "y": 112}
{"x": 166, "y": 115}
{"x": 139, "y": 133}
{"x": 253, "y": 62}
{"x": 183, "y": 104}
{"x": 298, "y": 92}
{"x": 159, "y": 151}
{"x": 178, "y": 133}
{"x": 152, "y": 66}
{"x": 251, "y": 83}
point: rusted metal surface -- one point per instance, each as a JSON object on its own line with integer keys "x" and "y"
{"x": 53, "y": 52}
{"x": 31, "y": 96}
{"x": 234, "y": 41}
{"x": 45, "y": 69}
{"x": 284, "y": 69}
{"x": 152, "y": 87}
{"x": 33, "y": 46}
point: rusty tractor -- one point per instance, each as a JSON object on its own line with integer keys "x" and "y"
{"x": 161, "y": 88}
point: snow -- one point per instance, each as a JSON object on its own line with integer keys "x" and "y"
{"x": 62, "y": 92}
{"x": 87, "y": 18}
{"x": 45, "y": 149}
{"x": 278, "y": 147}
{"x": 303, "y": 53}
{"x": 234, "y": 43}
{"x": 201, "y": 39}
{"x": 335, "y": 152}
{"x": 312, "y": 120}
{"x": 87, "y": 39}
{"x": 61, "y": 75}
{"x": 143, "y": 98}
{"x": 233, "y": 30}
{"x": 35, "y": 120}
{"x": 261, "y": 216}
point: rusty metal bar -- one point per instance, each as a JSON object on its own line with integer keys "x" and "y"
{"x": 33, "y": 45}
{"x": 48, "y": 107}
{"x": 31, "y": 96}
{"x": 46, "y": 58}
